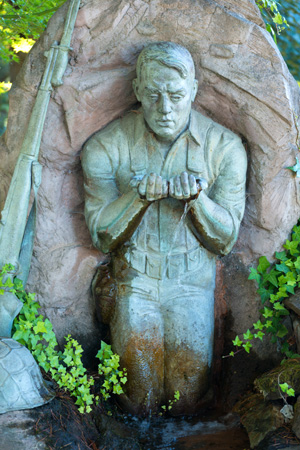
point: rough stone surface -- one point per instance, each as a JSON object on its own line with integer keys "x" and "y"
{"x": 18, "y": 432}
{"x": 268, "y": 383}
{"x": 244, "y": 85}
{"x": 259, "y": 417}
{"x": 296, "y": 422}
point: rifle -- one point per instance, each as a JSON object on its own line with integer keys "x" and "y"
{"x": 16, "y": 232}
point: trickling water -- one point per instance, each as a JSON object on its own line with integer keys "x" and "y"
{"x": 187, "y": 208}
{"x": 188, "y": 433}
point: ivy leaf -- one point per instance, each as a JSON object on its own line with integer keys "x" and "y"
{"x": 248, "y": 335}
{"x": 290, "y": 289}
{"x": 281, "y": 256}
{"x": 264, "y": 294}
{"x": 291, "y": 246}
{"x": 296, "y": 233}
{"x": 259, "y": 335}
{"x": 237, "y": 341}
{"x": 271, "y": 277}
{"x": 258, "y": 325}
{"x": 282, "y": 268}
{"x": 295, "y": 168}
{"x": 282, "y": 331}
{"x": 267, "y": 312}
{"x": 40, "y": 328}
{"x": 263, "y": 264}
{"x": 254, "y": 275}
{"x": 247, "y": 346}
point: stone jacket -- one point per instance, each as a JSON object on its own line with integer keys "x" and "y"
{"x": 116, "y": 215}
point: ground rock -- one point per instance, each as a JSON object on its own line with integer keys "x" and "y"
{"x": 268, "y": 383}
{"x": 258, "y": 417}
{"x": 18, "y": 432}
{"x": 244, "y": 85}
{"x": 296, "y": 422}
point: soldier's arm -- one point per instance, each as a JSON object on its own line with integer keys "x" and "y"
{"x": 111, "y": 216}
{"x": 217, "y": 213}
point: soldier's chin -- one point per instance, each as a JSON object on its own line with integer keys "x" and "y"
{"x": 165, "y": 133}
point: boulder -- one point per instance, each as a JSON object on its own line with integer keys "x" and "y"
{"x": 259, "y": 417}
{"x": 244, "y": 85}
{"x": 288, "y": 372}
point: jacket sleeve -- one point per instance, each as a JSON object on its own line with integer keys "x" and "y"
{"x": 217, "y": 213}
{"x": 111, "y": 215}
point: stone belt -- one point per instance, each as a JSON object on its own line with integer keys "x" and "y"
{"x": 160, "y": 266}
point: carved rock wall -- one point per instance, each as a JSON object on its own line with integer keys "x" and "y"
{"x": 244, "y": 85}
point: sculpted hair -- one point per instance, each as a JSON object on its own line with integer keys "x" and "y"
{"x": 169, "y": 54}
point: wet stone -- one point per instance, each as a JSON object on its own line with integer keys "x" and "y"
{"x": 289, "y": 373}
{"x": 296, "y": 422}
{"x": 17, "y": 432}
{"x": 259, "y": 417}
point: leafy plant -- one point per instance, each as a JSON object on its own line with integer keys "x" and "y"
{"x": 109, "y": 369}
{"x": 275, "y": 22}
{"x": 286, "y": 389}
{"x": 21, "y": 24}
{"x": 275, "y": 283}
{"x": 36, "y": 333}
{"x": 171, "y": 402}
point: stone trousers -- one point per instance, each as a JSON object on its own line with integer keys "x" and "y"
{"x": 163, "y": 331}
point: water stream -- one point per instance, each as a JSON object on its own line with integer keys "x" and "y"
{"x": 189, "y": 433}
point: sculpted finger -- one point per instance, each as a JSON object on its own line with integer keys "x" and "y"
{"x": 151, "y": 187}
{"x": 142, "y": 186}
{"x": 178, "y": 188}
{"x": 165, "y": 188}
{"x": 171, "y": 188}
{"x": 193, "y": 185}
{"x": 185, "y": 185}
{"x": 158, "y": 187}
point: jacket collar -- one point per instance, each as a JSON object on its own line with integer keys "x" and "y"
{"x": 141, "y": 130}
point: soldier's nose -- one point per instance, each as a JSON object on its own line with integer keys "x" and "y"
{"x": 164, "y": 105}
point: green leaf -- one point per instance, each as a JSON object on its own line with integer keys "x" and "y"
{"x": 237, "y": 341}
{"x": 282, "y": 268}
{"x": 282, "y": 331}
{"x": 254, "y": 275}
{"x": 291, "y": 246}
{"x": 264, "y": 294}
{"x": 263, "y": 264}
{"x": 259, "y": 335}
{"x": 271, "y": 277}
{"x": 247, "y": 346}
{"x": 258, "y": 325}
{"x": 296, "y": 233}
{"x": 281, "y": 256}
{"x": 267, "y": 312}
{"x": 40, "y": 327}
{"x": 248, "y": 335}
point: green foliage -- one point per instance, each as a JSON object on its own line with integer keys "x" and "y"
{"x": 109, "y": 369}
{"x": 21, "y": 23}
{"x": 275, "y": 22}
{"x": 289, "y": 42}
{"x": 275, "y": 283}
{"x": 286, "y": 389}
{"x": 171, "y": 402}
{"x": 36, "y": 333}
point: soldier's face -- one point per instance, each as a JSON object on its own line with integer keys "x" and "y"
{"x": 166, "y": 99}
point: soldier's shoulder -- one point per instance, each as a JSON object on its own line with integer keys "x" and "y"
{"x": 215, "y": 128}
{"x": 118, "y": 129}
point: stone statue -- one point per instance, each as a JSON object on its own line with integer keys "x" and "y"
{"x": 165, "y": 194}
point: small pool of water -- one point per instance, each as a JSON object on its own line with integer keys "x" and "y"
{"x": 189, "y": 433}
